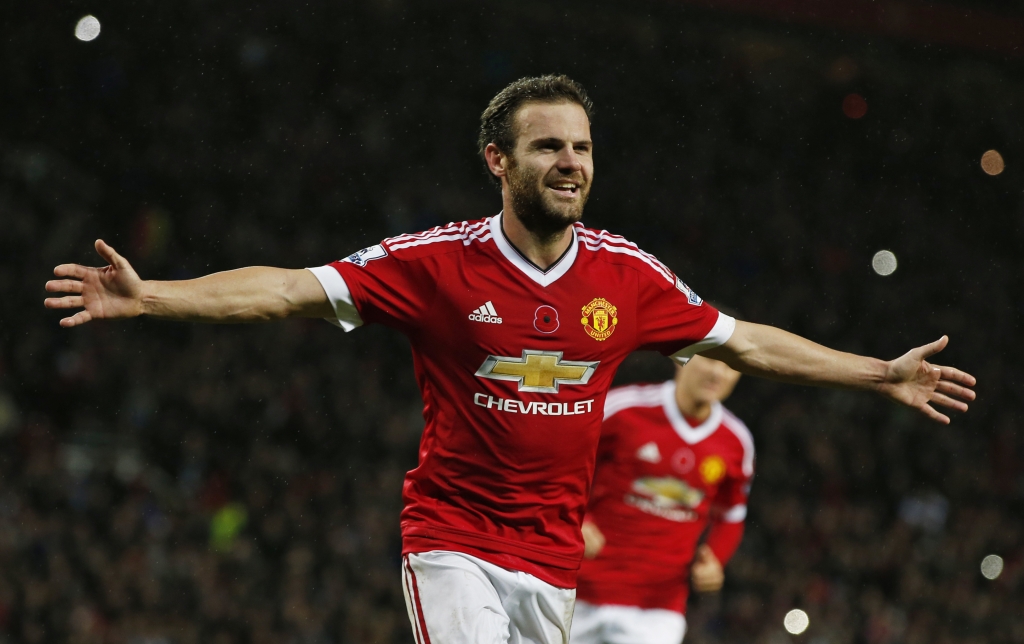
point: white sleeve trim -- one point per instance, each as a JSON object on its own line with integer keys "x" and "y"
{"x": 716, "y": 337}
{"x": 735, "y": 514}
{"x": 736, "y": 426}
{"x": 339, "y": 296}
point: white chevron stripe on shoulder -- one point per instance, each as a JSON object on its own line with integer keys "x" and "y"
{"x": 438, "y": 230}
{"x": 604, "y": 237}
{"x": 737, "y": 427}
{"x": 465, "y": 234}
{"x": 615, "y": 244}
{"x": 426, "y": 234}
{"x": 466, "y": 240}
{"x": 631, "y": 246}
{"x": 622, "y": 398}
{"x": 460, "y": 231}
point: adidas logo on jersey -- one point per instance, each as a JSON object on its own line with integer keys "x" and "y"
{"x": 649, "y": 452}
{"x": 485, "y": 313}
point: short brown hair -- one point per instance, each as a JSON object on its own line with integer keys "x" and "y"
{"x": 497, "y": 123}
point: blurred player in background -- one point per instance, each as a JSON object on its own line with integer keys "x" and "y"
{"x": 672, "y": 461}
{"x": 517, "y": 323}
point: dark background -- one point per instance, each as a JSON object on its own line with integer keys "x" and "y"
{"x": 169, "y": 483}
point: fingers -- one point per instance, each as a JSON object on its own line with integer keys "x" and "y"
{"x": 78, "y": 318}
{"x": 108, "y": 253}
{"x": 934, "y": 415}
{"x": 707, "y": 575}
{"x": 702, "y": 585}
{"x": 955, "y": 375}
{"x": 929, "y": 350}
{"x": 946, "y": 401}
{"x": 68, "y": 302}
{"x": 955, "y": 390}
{"x": 64, "y": 286}
{"x": 71, "y": 270}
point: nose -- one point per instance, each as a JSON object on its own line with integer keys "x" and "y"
{"x": 569, "y": 161}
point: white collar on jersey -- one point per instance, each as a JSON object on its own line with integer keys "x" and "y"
{"x": 544, "y": 278}
{"x": 691, "y": 435}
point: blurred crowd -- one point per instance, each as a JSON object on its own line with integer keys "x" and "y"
{"x": 167, "y": 484}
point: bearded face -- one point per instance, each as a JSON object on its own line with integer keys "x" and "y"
{"x": 546, "y": 202}
{"x": 551, "y": 167}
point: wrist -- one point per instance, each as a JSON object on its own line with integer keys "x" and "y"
{"x": 147, "y": 298}
{"x": 878, "y": 375}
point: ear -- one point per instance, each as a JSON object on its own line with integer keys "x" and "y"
{"x": 496, "y": 160}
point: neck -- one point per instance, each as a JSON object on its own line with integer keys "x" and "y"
{"x": 542, "y": 251}
{"x": 692, "y": 408}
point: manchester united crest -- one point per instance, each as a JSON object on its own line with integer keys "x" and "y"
{"x": 599, "y": 318}
{"x": 712, "y": 469}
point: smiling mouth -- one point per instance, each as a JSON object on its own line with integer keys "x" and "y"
{"x": 565, "y": 188}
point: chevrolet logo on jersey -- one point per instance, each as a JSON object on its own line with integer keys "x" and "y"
{"x": 538, "y": 371}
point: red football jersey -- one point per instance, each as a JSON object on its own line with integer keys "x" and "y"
{"x": 513, "y": 364}
{"x": 659, "y": 482}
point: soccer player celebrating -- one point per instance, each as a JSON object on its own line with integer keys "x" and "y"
{"x": 517, "y": 323}
{"x": 671, "y": 460}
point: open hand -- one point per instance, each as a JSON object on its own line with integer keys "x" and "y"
{"x": 915, "y": 382}
{"x": 706, "y": 572}
{"x": 114, "y": 291}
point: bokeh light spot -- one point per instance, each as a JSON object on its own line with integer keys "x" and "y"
{"x": 992, "y": 163}
{"x": 884, "y": 262}
{"x": 87, "y": 28}
{"x": 796, "y": 621}
{"x": 854, "y": 106}
{"x": 991, "y": 566}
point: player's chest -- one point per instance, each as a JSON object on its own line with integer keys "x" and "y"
{"x": 497, "y": 313}
{"x": 658, "y": 457}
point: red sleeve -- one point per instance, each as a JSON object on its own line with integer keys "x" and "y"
{"x": 724, "y": 538}
{"x": 674, "y": 320}
{"x": 728, "y": 514}
{"x": 392, "y": 290}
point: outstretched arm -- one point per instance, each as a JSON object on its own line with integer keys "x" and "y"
{"x": 766, "y": 351}
{"x": 253, "y": 294}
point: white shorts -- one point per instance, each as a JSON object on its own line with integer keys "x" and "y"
{"x": 610, "y": 624}
{"x": 455, "y": 598}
